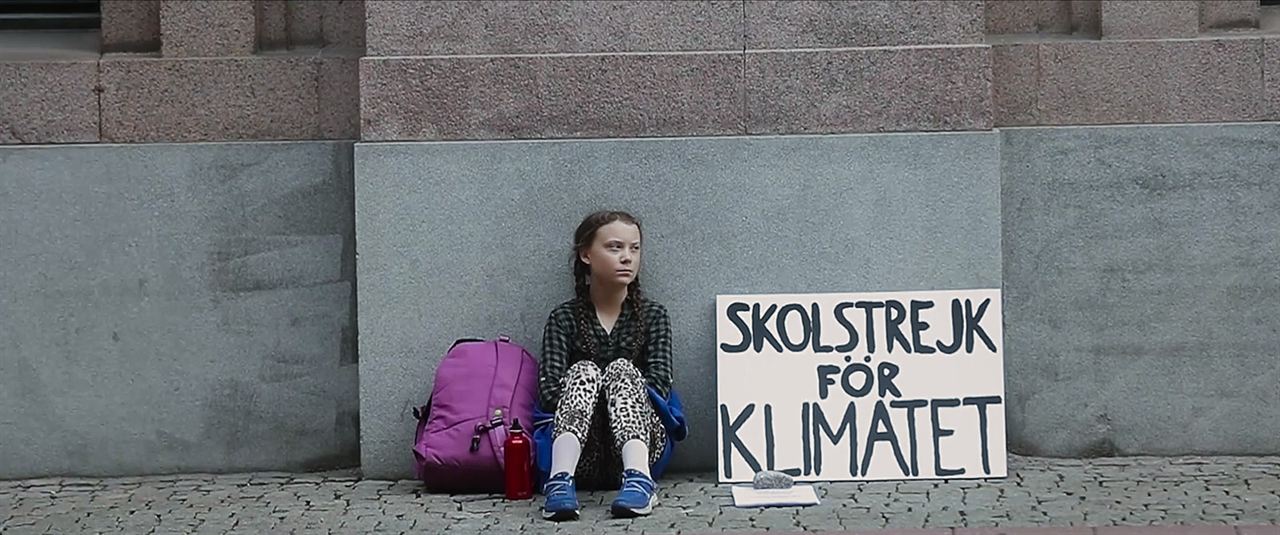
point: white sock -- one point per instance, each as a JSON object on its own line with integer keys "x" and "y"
{"x": 635, "y": 456}
{"x": 564, "y": 453}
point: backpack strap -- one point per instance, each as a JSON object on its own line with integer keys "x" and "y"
{"x": 498, "y": 440}
{"x": 421, "y": 413}
{"x": 464, "y": 340}
{"x": 506, "y": 373}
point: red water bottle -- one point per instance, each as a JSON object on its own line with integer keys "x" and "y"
{"x": 518, "y": 452}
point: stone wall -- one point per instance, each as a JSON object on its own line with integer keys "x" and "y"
{"x": 177, "y": 308}
{"x": 180, "y": 70}
{"x": 1140, "y": 289}
{"x": 197, "y": 297}
{"x": 472, "y": 239}
{"x": 1137, "y": 263}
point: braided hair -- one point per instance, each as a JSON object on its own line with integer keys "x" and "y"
{"x": 585, "y": 311}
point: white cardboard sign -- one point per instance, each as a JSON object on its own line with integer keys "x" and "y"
{"x": 861, "y": 386}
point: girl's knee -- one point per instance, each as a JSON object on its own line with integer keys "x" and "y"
{"x": 620, "y": 369}
{"x": 584, "y": 369}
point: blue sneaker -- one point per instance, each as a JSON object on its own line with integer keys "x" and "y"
{"x": 562, "y": 498}
{"x": 637, "y": 496}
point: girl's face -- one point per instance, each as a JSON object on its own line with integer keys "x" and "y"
{"x": 614, "y": 254}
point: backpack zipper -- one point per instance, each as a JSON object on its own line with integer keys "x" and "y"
{"x": 482, "y": 428}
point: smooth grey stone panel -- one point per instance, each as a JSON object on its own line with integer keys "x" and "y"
{"x": 1142, "y": 277}
{"x": 473, "y": 239}
{"x": 176, "y": 308}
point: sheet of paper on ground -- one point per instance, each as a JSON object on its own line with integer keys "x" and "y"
{"x": 745, "y": 496}
{"x": 861, "y": 386}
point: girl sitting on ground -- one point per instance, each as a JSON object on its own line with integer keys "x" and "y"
{"x": 602, "y": 352}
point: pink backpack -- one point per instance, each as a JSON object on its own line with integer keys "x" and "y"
{"x": 481, "y": 387}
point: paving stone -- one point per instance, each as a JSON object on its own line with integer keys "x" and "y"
{"x": 1039, "y": 492}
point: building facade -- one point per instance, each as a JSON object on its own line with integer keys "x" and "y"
{"x": 240, "y": 233}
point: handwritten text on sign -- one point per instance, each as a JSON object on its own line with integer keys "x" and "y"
{"x": 870, "y": 386}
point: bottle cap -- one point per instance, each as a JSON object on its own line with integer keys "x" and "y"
{"x": 515, "y": 425}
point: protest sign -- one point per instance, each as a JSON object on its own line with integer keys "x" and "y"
{"x": 861, "y": 386}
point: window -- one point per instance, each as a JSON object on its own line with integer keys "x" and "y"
{"x": 50, "y": 15}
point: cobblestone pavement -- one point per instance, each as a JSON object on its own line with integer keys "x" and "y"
{"x": 1213, "y": 491}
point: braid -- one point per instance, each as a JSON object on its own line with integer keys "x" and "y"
{"x": 585, "y": 330}
{"x": 581, "y": 272}
{"x": 642, "y": 325}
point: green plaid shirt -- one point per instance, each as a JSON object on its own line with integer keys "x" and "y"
{"x": 561, "y": 348}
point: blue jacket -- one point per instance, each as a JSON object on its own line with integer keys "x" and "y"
{"x": 670, "y": 411}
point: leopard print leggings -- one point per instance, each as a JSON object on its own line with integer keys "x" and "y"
{"x": 587, "y": 393}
